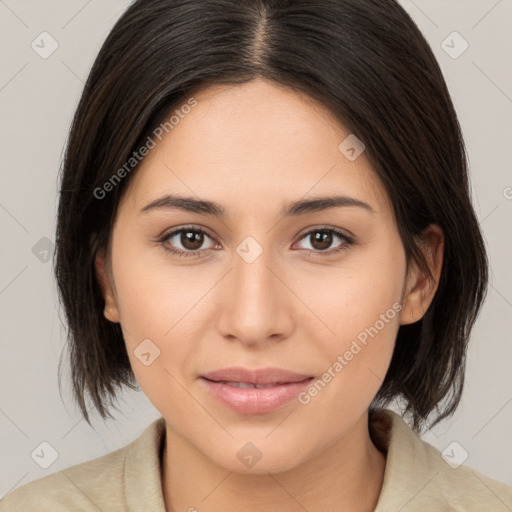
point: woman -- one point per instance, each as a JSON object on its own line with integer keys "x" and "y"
{"x": 265, "y": 223}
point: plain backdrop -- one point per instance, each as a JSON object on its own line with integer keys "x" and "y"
{"x": 37, "y": 99}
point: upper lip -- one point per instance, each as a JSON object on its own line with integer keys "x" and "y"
{"x": 255, "y": 376}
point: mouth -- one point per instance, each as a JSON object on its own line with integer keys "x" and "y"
{"x": 249, "y": 385}
{"x": 259, "y": 391}
{"x": 258, "y": 377}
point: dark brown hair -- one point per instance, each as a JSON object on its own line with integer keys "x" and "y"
{"x": 363, "y": 59}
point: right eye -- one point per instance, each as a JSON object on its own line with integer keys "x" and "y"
{"x": 190, "y": 239}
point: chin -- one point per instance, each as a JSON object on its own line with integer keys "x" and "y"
{"x": 259, "y": 458}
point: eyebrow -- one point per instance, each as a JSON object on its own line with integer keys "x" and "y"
{"x": 295, "y": 208}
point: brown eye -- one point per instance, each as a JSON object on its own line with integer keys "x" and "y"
{"x": 186, "y": 241}
{"x": 321, "y": 239}
{"x": 191, "y": 240}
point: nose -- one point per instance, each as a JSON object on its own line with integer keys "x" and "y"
{"x": 257, "y": 304}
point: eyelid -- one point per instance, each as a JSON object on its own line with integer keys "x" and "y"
{"x": 325, "y": 227}
{"x": 192, "y": 227}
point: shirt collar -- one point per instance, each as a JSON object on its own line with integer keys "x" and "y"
{"x": 142, "y": 470}
{"x": 389, "y": 432}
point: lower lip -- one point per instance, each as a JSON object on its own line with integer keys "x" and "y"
{"x": 253, "y": 400}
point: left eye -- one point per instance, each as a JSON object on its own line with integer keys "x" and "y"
{"x": 321, "y": 239}
{"x": 191, "y": 240}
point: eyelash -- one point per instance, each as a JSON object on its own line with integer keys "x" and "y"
{"x": 347, "y": 242}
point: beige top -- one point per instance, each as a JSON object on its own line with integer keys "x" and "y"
{"x": 416, "y": 478}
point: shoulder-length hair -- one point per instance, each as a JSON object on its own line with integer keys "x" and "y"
{"x": 363, "y": 59}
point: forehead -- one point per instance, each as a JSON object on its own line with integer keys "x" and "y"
{"x": 259, "y": 144}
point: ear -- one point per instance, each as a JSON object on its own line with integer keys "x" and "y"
{"x": 105, "y": 281}
{"x": 420, "y": 288}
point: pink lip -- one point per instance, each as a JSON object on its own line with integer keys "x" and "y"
{"x": 286, "y": 385}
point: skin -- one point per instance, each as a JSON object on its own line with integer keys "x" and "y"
{"x": 251, "y": 148}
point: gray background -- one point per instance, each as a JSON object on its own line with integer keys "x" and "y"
{"x": 37, "y": 99}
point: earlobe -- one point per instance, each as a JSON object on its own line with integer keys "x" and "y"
{"x": 104, "y": 280}
{"x": 421, "y": 287}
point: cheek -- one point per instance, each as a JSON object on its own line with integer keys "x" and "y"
{"x": 155, "y": 305}
{"x": 152, "y": 296}
{"x": 359, "y": 305}
{"x": 159, "y": 337}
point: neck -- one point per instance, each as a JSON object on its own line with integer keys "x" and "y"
{"x": 345, "y": 476}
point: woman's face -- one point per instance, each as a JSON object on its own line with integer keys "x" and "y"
{"x": 258, "y": 289}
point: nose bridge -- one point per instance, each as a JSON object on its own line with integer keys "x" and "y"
{"x": 255, "y": 308}
{"x": 254, "y": 280}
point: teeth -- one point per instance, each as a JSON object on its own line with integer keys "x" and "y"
{"x": 243, "y": 385}
{"x": 248, "y": 385}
